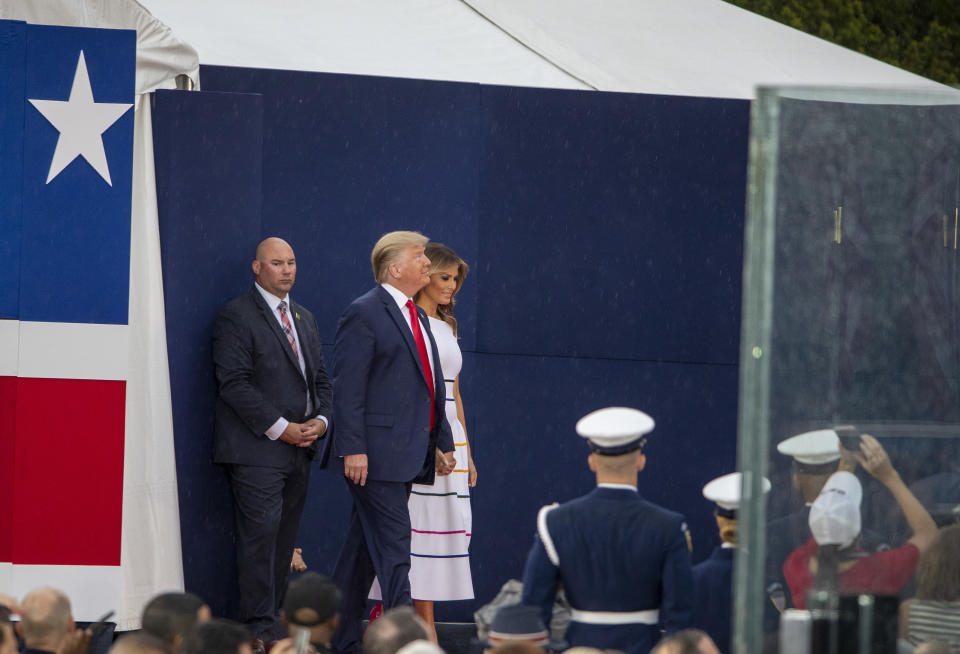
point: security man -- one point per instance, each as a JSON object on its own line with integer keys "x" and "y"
{"x": 624, "y": 562}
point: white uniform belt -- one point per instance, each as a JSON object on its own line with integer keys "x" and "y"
{"x": 615, "y": 617}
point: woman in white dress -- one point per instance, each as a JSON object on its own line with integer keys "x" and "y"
{"x": 440, "y": 517}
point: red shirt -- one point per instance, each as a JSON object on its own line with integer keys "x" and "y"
{"x": 883, "y": 572}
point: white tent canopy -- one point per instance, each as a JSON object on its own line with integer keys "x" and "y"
{"x": 672, "y": 47}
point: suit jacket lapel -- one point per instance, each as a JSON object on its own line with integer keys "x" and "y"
{"x": 438, "y": 380}
{"x": 405, "y": 331}
{"x": 275, "y": 326}
{"x": 305, "y": 351}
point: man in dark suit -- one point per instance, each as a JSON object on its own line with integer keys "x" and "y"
{"x": 390, "y": 426}
{"x": 273, "y": 403}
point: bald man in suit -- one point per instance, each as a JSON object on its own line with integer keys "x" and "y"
{"x": 273, "y": 404}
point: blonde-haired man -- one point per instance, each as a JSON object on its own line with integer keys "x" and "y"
{"x": 390, "y": 425}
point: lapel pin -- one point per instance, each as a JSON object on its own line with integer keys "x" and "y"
{"x": 297, "y": 315}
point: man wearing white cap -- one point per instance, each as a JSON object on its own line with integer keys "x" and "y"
{"x": 624, "y": 562}
{"x": 713, "y": 578}
{"x": 832, "y": 556}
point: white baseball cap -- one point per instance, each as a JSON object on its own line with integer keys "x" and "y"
{"x": 835, "y": 514}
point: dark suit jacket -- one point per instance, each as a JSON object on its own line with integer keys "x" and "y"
{"x": 259, "y": 380}
{"x": 383, "y": 401}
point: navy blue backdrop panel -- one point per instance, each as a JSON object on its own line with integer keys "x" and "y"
{"x": 13, "y": 52}
{"x": 612, "y": 225}
{"x": 208, "y": 153}
{"x": 547, "y": 195}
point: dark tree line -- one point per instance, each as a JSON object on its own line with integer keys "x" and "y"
{"x": 922, "y": 36}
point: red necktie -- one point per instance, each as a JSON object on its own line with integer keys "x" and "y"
{"x": 422, "y": 348}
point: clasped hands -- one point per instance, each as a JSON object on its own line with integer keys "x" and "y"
{"x": 303, "y": 434}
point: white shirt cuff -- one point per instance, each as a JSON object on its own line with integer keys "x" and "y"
{"x": 277, "y": 428}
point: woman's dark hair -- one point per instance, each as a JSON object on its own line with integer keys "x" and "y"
{"x": 441, "y": 257}
{"x": 938, "y": 572}
{"x": 828, "y": 558}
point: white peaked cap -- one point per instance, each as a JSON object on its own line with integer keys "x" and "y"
{"x": 812, "y": 447}
{"x": 614, "y": 428}
{"x": 725, "y": 490}
{"x": 835, "y": 514}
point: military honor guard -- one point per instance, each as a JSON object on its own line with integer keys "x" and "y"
{"x": 624, "y": 562}
{"x": 713, "y": 578}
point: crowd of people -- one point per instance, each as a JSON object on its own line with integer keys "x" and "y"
{"x": 390, "y": 417}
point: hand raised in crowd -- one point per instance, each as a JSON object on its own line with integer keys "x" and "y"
{"x": 355, "y": 468}
{"x": 77, "y": 642}
{"x": 294, "y": 435}
{"x": 875, "y": 460}
{"x": 445, "y": 463}
{"x": 287, "y": 646}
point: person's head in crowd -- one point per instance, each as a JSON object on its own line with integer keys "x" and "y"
{"x": 933, "y": 647}
{"x": 311, "y": 603}
{"x": 725, "y": 492}
{"x": 520, "y": 647}
{"x": 140, "y": 642}
{"x": 835, "y": 514}
{"x": 835, "y": 524}
{"x": 45, "y": 619}
{"x": 170, "y": 615}
{"x": 8, "y": 641}
{"x": 392, "y": 630}
{"x": 420, "y": 647}
{"x": 688, "y": 641}
{"x": 447, "y": 272}
{"x": 217, "y": 636}
{"x": 616, "y": 436}
{"x": 519, "y": 625}
{"x": 816, "y": 456}
{"x": 938, "y": 572}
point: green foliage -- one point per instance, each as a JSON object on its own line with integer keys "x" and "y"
{"x": 922, "y": 36}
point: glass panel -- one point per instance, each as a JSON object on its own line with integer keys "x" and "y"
{"x": 851, "y": 326}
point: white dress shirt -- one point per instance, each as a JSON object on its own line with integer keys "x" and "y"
{"x": 277, "y": 428}
{"x": 401, "y": 301}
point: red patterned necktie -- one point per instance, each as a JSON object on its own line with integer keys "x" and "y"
{"x": 422, "y": 348}
{"x": 288, "y": 330}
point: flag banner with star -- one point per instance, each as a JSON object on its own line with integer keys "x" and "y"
{"x": 66, "y": 149}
